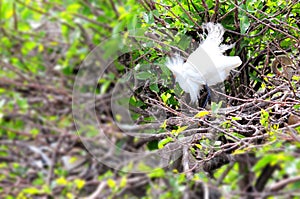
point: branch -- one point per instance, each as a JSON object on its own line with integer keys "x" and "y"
{"x": 281, "y": 184}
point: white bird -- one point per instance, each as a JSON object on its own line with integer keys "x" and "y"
{"x": 207, "y": 65}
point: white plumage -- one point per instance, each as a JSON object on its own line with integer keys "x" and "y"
{"x": 207, "y": 65}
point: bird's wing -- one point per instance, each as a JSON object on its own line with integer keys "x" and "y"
{"x": 206, "y": 65}
{"x": 189, "y": 86}
{"x": 227, "y": 63}
{"x": 208, "y": 59}
{"x": 187, "y": 76}
{"x": 215, "y": 34}
{"x": 175, "y": 64}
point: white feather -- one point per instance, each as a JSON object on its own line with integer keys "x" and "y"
{"x": 206, "y": 65}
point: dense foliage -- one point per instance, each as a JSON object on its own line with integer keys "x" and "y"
{"x": 245, "y": 144}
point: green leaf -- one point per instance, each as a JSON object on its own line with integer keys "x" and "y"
{"x": 215, "y": 107}
{"x": 165, "y": 97}
{"x": 79, "y": 183}
{"x": 236, "y": 118}
{"x": 123, "y": 182}
{"x": 164, "y": 125}
{"x": 226, "y": 124}
{"x": 132, "y": 22}
{"x": 297, "y": 106}
{"x": 73, "y": 7}
{"x": 165, "y": 70}
{"x": 199, "y": 146}
{"x": 152, "y": 145}
{"x": 179, "y": 130}
{"x": 31, "y": 191}
{"x": 144, "y": 75}
{"x": 296, "y": 78}
{"x": 105, "y": 86}
{"x": 201, "y": 114}
{"x": 62, "y": 181}
{"x": 111, "y": 183}
{"x": 266, "y": 159}
{"x": 184, "y": 42}
{"x": 149, "y": 19}
{"x": 34, "y": 131}
{"x": 154, "y": 88}
{"x": 244, "y": 20}
{"x": 264, "y": 118}
{"x": 238, "y": 135}
{"x": 157, "y": 173}
{"x": 163, "y": 142}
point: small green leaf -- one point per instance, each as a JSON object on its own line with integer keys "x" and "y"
{"x": 111, "y": 183}
{"x": 238, "y": 151}
{"x": 236, "y": 118}
{"x": 157, "y": 173}
{"x": 244, "y": 24}
{"x": 296, "y": 78}
{"x": 123, "y": 182}
{"x": 143, "y": 75}
{"x": 215, "y": 107}
{"x": 184, "y": 42}
{"x": 152, "y": 145}
{"x": 244, "y": 20}
{"x": 154, "y": 88}
{"x": 70, "y": 195}
{"x": 163, "y": 142}
{"x": 297, "y": 106}
{"x": 74, "y": 7}
{"x": 79, "y": 183}
{"x": 165, "y": 97}
{"x": 254, "y": 77}
{"x": 238, "y": 135}
{"x": 34, "y": 132}
{"x": 264, "y": 118}
{"x": 149, "y": 19}
{"x": 201, "y": 114}
{"x": 164, "y": 125}
{"x": 266, "y": 159}
{"x": 31, "y": 191}
{"x": 180, "y": 129}
{"x": 104, "y": 87}
{"x": 61, "y": 181}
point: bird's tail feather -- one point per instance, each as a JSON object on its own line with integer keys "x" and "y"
{"x": 215, "y": 32}
{"x": 214, "y": 36}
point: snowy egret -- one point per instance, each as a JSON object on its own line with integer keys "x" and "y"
{"x": 207, "y": 65}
